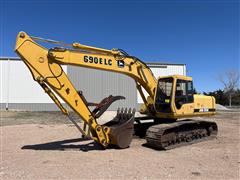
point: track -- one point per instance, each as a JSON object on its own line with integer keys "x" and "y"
{"x": 180, "y": 133}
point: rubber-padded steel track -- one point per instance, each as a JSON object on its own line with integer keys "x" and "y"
{"x": 180, "y": 133}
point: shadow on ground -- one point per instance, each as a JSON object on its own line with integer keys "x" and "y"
{"x": 64, "y": 145}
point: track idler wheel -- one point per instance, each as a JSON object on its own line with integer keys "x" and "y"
{"x": 122, "y": 128}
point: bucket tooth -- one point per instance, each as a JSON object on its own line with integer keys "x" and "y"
{"x": 129, "y": 113}
{"x": 118, "y": 111}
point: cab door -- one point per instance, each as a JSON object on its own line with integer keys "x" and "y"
{"x": 163, "y": 97}
{"x": 184, "y": 102}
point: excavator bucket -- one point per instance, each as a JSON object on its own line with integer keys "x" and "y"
{"x": 122, "y": 128}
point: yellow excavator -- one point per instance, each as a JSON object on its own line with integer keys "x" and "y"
{"x": 169, "y": 98}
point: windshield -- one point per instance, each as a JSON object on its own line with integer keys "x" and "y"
{"x": 184, "y": 93}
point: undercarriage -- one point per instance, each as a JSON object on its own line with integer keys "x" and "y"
{"x": 170, "y": 134}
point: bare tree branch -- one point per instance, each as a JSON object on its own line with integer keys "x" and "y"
{"x": 230, "y": 81}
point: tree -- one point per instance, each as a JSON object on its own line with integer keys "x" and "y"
{"x": 230, "y": 81}
{"x": 236, "y": 98}
{"x": 219, "y": 95}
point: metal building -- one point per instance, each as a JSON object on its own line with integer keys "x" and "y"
{"x": 19, "y": 91}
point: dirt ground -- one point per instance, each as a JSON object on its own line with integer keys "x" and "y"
{"x": 40, "y": 145}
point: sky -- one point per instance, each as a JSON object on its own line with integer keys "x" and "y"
{"x": 204, "y": 35}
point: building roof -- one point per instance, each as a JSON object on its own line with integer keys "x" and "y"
{"x": 10, "y": 58}
{"x": 163, "y": 63}
{"x": 150, "y": 64}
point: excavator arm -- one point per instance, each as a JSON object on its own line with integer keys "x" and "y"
{"x": 110, "y": 60}
{"x": 45, "y": 66}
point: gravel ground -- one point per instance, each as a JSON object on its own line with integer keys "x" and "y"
{"x": 42, "y": 145}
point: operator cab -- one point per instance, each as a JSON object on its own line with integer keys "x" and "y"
{"x": 173, "y": 91}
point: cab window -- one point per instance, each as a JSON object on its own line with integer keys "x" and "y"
{"x": 163, "y": 96}
{"x": 184, "y": 93}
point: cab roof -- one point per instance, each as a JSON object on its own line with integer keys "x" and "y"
{"x": 187, "y": 78}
